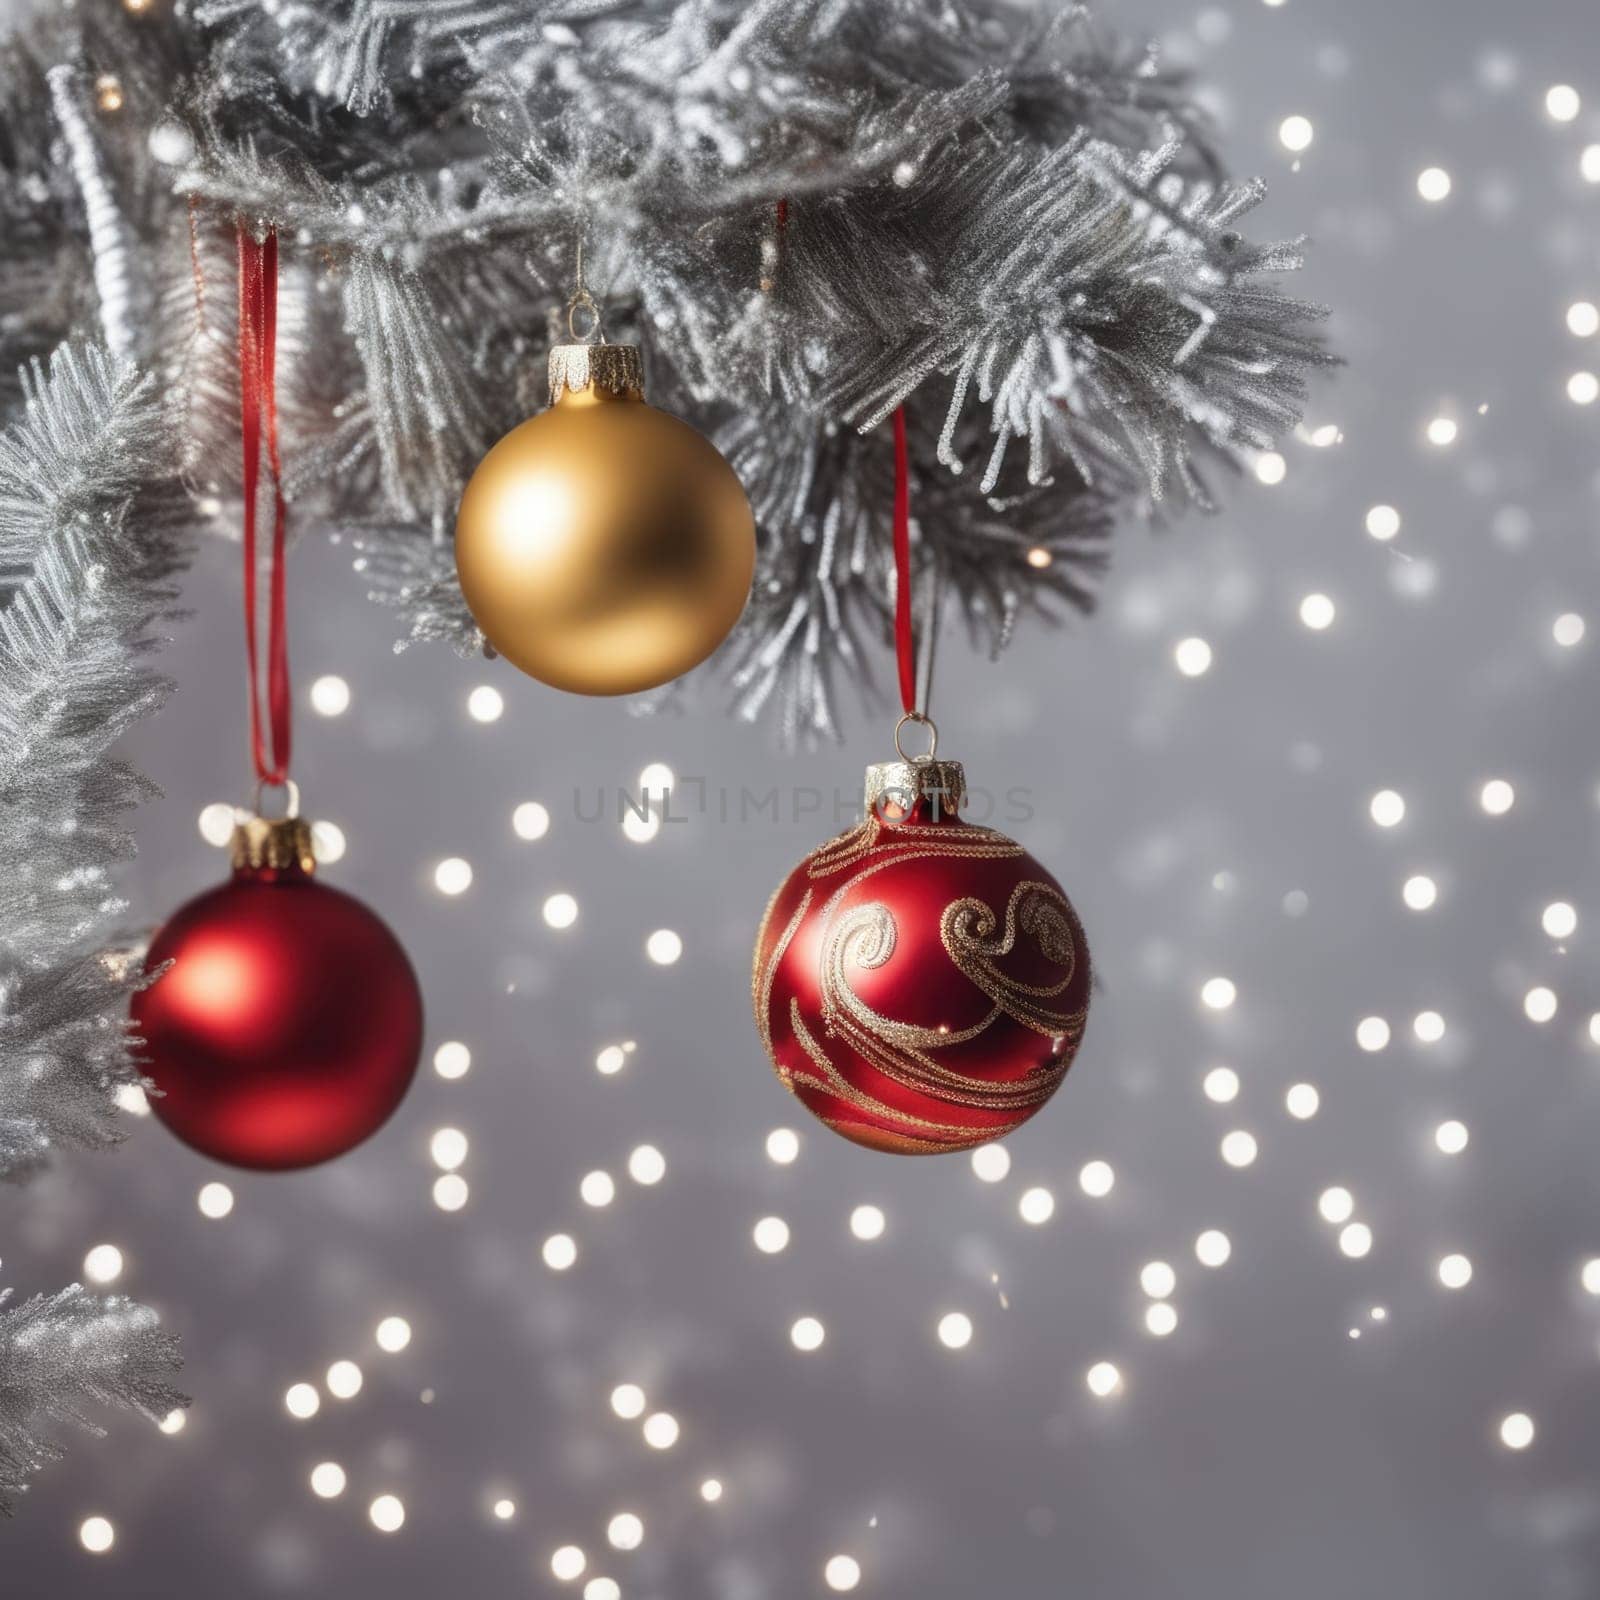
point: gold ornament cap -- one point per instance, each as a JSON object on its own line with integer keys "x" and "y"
{"x": 894, "y": 788}
{"x": 609, "y": 370}
{"x": 276, "y": 844}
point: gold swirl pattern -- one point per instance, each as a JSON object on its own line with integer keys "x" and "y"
{"x": 1041, "y": 911}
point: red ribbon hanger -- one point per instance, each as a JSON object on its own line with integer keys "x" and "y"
{"x": 258, "y": 410}
{"x": 904, "y": 645}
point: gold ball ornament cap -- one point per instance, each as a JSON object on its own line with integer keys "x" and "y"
{"x": 272, "y": 844}
{"x": 604, "y": 546}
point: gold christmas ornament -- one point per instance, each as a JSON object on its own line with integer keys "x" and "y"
{"x": 604, "y": 547}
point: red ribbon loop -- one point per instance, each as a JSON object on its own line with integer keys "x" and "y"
{"x": 905, "y": 649}
{"x": 258, "y": 410}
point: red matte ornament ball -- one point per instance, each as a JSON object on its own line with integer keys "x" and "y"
{"x": 289, "y": 1024}
{"x": 921, "y": 983}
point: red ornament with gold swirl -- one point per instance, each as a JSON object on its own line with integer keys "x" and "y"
{"x": 920, "y": 983}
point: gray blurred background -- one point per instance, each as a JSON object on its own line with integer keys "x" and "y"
{"x": 1318, "y": 1424}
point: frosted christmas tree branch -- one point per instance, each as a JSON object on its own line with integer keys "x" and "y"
{"x": 62, "y": 1355}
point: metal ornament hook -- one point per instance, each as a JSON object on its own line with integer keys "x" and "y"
{"x": 583, "y": 302}
{"x": 291, "y": 791}
{"x": 933, "y": 736}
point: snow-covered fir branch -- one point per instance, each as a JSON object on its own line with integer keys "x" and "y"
{"x": 997, "y": 214}
{"x": 61, "y": 1356}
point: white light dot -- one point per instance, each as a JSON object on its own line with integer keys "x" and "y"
{"x": 1455, "y": 1271}
{"x": 568, "y": 1563}
{"x": 1561, "y": 102}
{"x": 1160, "y": 1319}
{"x": 1221, "y": 1084}
{"x": 344, "y": 1380}
{"x": 217, "y": 823}
{"x": 1589, "y": 163}
{"x": 1336, "y": 1204}
{"x": 625, "y": 1531}
{"x": 1451, "y": 1137}
{"x": 560, "y": 911}
{"x": 1355, "y": 1239}
{"x": 783, "y": 1145}
{"x": 1387, "y": 808}
{"x": 1559, "y": 920}
{"x": 327, "y": 1480}
{"x": 1372, "y": 1033}
{"x": 1096, "y": 1179}
{"x": 1442, "y": 431}
{"x": 647, "y": 1165}
{"x": 1238, "y": 1148}
{"x": 103, "y": 1264}
{"x": 771, "y": 1235}
{"x": 130, "y": 1097}
{"x": 485, "y": 704}
{"x": 175, "y": 1421}
{"x": 1419, "y": 892}
{"x": 1583, "y": 319}
{"x": 1568, "y": 629}
{"x": 991, "y": 1162}
{"x": 328, "y": 843}
{"x": 530, "y": 820}
{"x": 1583, "y": 388}
{"x": 807, "y": 1334}
{"x": 1103, "y": 1379}
{"x": 1213, "y": 1248}
{"x": 661, "y": 1430}
{"x": 452, "y": 1059}
{"x": 330, "y": 695}
{"x": 504, "y": 1510}
{"x": 170, "y": 142}
{"x": 663, "y": 947}
{"x": 393, "y": 1334}
{"x": 711, "y": 1490}
{"x": 302, "y": 1400}
{"x": 1157, "y": 1279}
{"x": 1036, "y": 1205}
{"x": 597, "y": 1188}
{"x": 627, "y": 1400}
{"x": 611, "y": 1060}
{"x": 1433, "y": 183}
{"x": 1271, "y": 467}
{"x": 641, "y": 828}
{"x": 1193, "y": 656}
{"x": 1218, "y": 993}
{"x": 559, "y": 1251}
{"x": 1295, "y": 133}
{"x": 1516, "y": 1431}
{"x": 1302, "y": 1100}
{"x": 450, "y": 1192}
{"x": 955, "y": 1330}
{"x": 1316, "y": 611}
{"x": 656, "y": 780}
{"x": 867, "y": 1222}
{"x": 1383, "y": 522}
{"x": 1428, "y": 1026}
{"x": 448, "y": 1147}
{"x": 602, "y": 1589}
{"x": 96, "y": 1535}
{"x": 453, "y": 875}
{"x": 215, "y": 1200}
{"x": 1594, "y": 1028}
{"x": 841, "y": 1573}
{"x": 1496, "y": 797}
{"x": 1539, "y": 1003}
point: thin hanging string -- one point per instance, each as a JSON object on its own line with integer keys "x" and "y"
{"x": 258, "y": 405}
{"x": 904, "y": 644}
